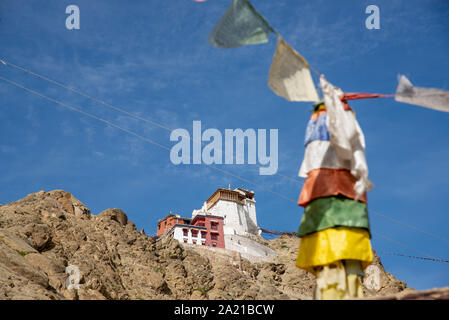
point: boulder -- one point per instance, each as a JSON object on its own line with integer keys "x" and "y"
{"x": 116, "y": 215}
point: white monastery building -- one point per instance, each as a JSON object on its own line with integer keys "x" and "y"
{"x": 238, "y": 209}
{"x": 226, "y": 220}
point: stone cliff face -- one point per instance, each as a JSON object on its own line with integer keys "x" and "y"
{"x": 45, "y": 232}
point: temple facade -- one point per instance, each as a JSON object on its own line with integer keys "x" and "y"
{"x": 237, "y": 208}
{"x": 226, "y": 220}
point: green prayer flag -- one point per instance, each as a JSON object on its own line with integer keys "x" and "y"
{"x": 332, "y": 212}
{"x": 240, "y": 25}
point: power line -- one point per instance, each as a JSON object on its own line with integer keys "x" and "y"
{"x": 272, "y": 234}
{"x": 84, "y": 113}
{"x": 115, "y": 108}
{"x": 59, "y": 84}
{"x": 137, "y": 135}
{"x": 277, "y": 233}
{"x": 402, "y": 245}
{"x": 412, "y": 257}
{"x": 410, "y": 226}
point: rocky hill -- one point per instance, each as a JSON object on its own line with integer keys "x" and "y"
{"x": 45, "y": 232}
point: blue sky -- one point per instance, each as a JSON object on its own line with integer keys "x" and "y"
{"x": 152, "y": 58}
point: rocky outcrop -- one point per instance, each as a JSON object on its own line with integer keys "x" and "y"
{"x": 44, "y": 233}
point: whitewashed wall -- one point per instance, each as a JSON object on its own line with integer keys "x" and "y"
{"x": 178, "y": 234}
{"x": 232, "y": 224}
{"x": 237, "y": 219}
{"x": 249, "y": 249}
{"x": 253, "y": 227}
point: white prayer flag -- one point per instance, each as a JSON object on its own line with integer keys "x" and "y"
{"x": 436, "y": 99}
{"x": 290, "y": 75}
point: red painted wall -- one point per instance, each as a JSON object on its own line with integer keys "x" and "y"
{"x": 167, "y": 223}
{"x": 208, "y": 221}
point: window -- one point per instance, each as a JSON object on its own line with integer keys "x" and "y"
{"x": 186, "y": 232}
{"x": 185, "y": 240}
{"x": 194, "y": 233}
{"x": 214, "y": 236}
{"x": 214, "y": 244}
{"x": 203, "y": 235}
{"x": 214, "y": 225}
{"x": 194, "y": 241}
{"x": 203, "y": 243}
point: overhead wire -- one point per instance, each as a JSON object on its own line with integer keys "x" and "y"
{"x": 409, "y": 226}
{"x": 115, "y": 108}
{"x": 412, "y": 257}
{"x": 427, "y": 256}
{"x": 73, "y": 108}
{"x": 83, "y": 112}
{"x": 398, "y": 243}
{"x": 272, "y": 234}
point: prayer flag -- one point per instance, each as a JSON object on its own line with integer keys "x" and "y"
{"x": 325, "y": 182}
{"x": 290, "y": 75}
{"x": 332, "y": 212}
{"x": 240, "y": 25}
{"x": 330, "y": 245}
{"x": 436, "y": 99}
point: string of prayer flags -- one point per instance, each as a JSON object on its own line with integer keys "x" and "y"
{"x": 436, "y": 99}
{"x": 290, "y": 75}
{"x": 240, "y": 25}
